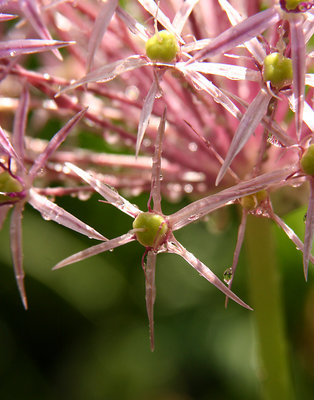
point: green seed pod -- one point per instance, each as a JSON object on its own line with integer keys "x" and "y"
{"x": 307, "y": 161}
{"x": 162, "y": 47}
{"x": 292, "y": 4}
{"x": 251, "y": 201}
{"x": 278, "y": 70}
{"x": 153, "y": 229}
{"x": 8, "y": 184}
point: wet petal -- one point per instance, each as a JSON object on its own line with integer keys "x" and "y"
{"x": 16, "y": 249}
{"x": 134, "y": 26}
{"x": 12, "y": 48}
{"x": 110, "y": 194}
{"x": 203, "y": 270}
{"x": 298, "y": 54}
{"x": 202, "y": 207}
{"x": 7, "y": 17}
{"x": 249, "y": 122}
{"x": 150, "y": 293}
{"x": 54, "y": 143}
{"x": 94, "y": 250}
{"x": 7, "y": 147}
{"x": 183, "y": 14}
{"x": 32, "y": 12}
{"x": 309, "y": 230}
{"x": 51, "y": 211}
{"x": 101, "y": 24}
{"x": 240, "y": 33}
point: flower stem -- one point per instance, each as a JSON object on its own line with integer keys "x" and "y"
{"x": 274, "y": 369}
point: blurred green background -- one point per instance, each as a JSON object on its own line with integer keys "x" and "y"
{"x": 85, "y": 335}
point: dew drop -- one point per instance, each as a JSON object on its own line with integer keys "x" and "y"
{"x": 193, "y": 146}
{"x": 193, "y": 217}
{"x": 84, "y": 196}
{"x": 227, "y": 275}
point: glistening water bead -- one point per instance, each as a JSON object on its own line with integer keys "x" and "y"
{"x": 152, "y": 229}
{"x": 162, "y": 47}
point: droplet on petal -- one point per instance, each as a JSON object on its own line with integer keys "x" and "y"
{"x": 8, "y": 184}
{"x": 227, "y": 275}
{"x": 307, "y": 161}
{"x": 152, "y": 229}
{"x": 278, "y": 70}
{"x": 162, "y": 47}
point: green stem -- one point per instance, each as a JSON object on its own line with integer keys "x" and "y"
{"x": 268, "y": 317}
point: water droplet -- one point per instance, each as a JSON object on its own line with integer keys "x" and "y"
{"x": 227, "y": 275}
{"x": 188, "y": 188}
{"x": 12, "y": 53}
{"x": 46, "y": 75}
{"x": 193, "y": 217}
{"x": 46, "y": 217}
{"x": 193, "y": 146}
{"x": 83, "y": 196}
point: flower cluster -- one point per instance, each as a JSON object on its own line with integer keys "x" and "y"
{"x": 199, "y": 91}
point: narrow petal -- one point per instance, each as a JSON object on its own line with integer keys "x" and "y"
{"x": 110, "y": 194}
{"x": 203, "y": 270}
{"x": 145, "y": 114}
{"x": 253, "y": 45}
{"x": 51, "y": 211}
{"x": 249, "y": 122}
{"x": 298, "y": 54}
{"x": 94, "y": 250}
{"x": 240, "y": 33}
{"x": 309, "y": 230}
{"x": 201, "y": 83}
{"x": 16, "y": 249}
{"x": 202, "y": 207}
{"x": 290, "y": 233}
{"x": 3, "y": 213}
{"x": 109, "y": 72}
{"x": 54, "y": 143}
{"x": 7, "y": 147}
{"x": 155, "y": 11}
{"x": 228, "y": 71}
{"x": 183, "y": 14}
{"x": 308, "y": 112}
{"x": 156, "y": 168}
{"x": 32, "y": 12}
{"x": 101, "y": 24}
{"x": 12, "y": 48}
{"x": 150, "y": 294}
{"x": 7, "y": 17}
{"x": 236, "y": 254}
{"x": 309, "y": 79}
{"x": 20, "y": 121}
{"x": 134, "y": 26}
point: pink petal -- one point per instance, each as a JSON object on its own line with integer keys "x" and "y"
{"x": 249, "y": 122}
{"x": 54, "y": 143}
{"x": 12, "y": 48}
{"x": 203, "y": 270}
{"x": 7, "y": 147}
{"x": 298, "y": 54}
{"x": 51, "y": 211}
{"x": 253, "y": 45}
{"x": 102, "y": 21}
{"x": 240, "y": 33}
{"x": 183, "y": 14}
{"x": 202, "y": 207}
{"x": 3, "y": 213}
{"x": 150, "y": 293}
{"x": 309, "y": 230}
{"x": 20, "y": 121}
{"x": 134, "y": 26}
{"x": 145, "y": 115}
{"x": 32, "y": 12}
{"x": 7, "y": 17}
{"x": 94, "y": 250}
{"x": 16, "y": 249}
{"x": 110, "y": 194}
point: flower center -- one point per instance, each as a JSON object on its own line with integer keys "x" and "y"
{"x": 162, "y": 47}
{"x": 152, "y": 229}
{"x": 307, "y": 161}
{"x": 278, "y": 70}
{"x": 251, "y": 201}
{"x": 8, "y": 184}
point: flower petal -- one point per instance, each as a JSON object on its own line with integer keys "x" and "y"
{"x": 110, "y": 194}
{"x": 203, "y": 270}
{"x": 150, "y": 293}
{"x": 309, "y": 230}
{"x": 249, "y": 122}
{"x": 94, "y": 250}
{"x": 183, "y": 14}
{"x": 51, "y": 211}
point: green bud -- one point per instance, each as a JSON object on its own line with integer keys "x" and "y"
{"x": 8, "y": 184}
{"x": 292, "y": 4}
{"x": 162, "y": 47}
{"x": 251, "y": 201}
{"x": 153, "y": 229}
{"x": 278, "y": 70}
{"x": 307, "y": 161}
